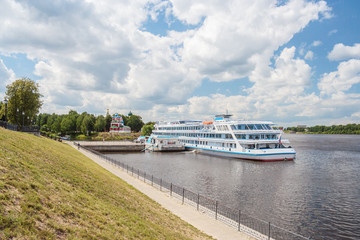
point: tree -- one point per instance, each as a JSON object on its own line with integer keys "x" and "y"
{"x": 87, "y": 124}
{"x": 23, "y": 100}
{"x": 2, "y": 111}
{"x": 108, "y": 120}
{"x": 100, "y": 124}
{"x": 56, "y": 125}
{"x": 135, "y": 123}
{"x": 80, "y": 120}
{"x": 147, "y": 130}
{"x": 68, "y": 123}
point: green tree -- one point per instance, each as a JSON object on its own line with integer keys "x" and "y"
{"x": 108, "y": 120}
{"x": 80, "y": 120}
{"x": 2, "y": 111}
{"x": 23, "y": 100}
{"x": 147, "y": 130}
{"x": 100, "y": 124}
{"x": 88, "y": 124}
{"x": 135, "y": 123}
{"x": 68, "y": 124}
{"x": 56, "y": 125}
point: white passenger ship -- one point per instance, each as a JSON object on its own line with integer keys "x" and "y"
{"x": 253, "y": 140}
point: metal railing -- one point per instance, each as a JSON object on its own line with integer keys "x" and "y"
{"x": 19, "y": 128}
{"x": 255, "y": 227}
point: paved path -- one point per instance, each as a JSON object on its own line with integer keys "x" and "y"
{"x": 210, "y": 226}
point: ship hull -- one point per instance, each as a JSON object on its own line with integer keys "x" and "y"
{"x": 254, "y": 156}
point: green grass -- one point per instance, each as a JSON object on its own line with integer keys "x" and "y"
{"x": 48, "y": 190}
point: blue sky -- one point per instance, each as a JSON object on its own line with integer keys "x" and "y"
{"x": 291, "y": 62}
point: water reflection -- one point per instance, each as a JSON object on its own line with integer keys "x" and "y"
{"x": 316, "y": 195}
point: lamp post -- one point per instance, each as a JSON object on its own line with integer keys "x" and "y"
{"x": 23, "y": 115}
{"x": 17, "y": 119}
{"x": 6, "y": 102}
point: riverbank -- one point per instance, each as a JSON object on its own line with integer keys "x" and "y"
{"x": 187, "y": 213}
{"x": 48, "y": 190}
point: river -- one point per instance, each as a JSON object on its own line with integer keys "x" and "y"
{"x": 317, "y": 195}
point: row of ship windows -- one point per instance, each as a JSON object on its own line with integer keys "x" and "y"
{"x": 223, "y": 136}
{"x": 181, "y": 128}
{"x": 251, "y": 127}
{"x": 223, "y": 127}
{"x": 213, "y": 144}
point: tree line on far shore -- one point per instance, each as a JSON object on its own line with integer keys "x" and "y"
{"x": 334, "y": 129}
{"x": 85, "y": 123}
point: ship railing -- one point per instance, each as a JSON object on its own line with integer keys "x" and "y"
{"x": 237, "y": 219}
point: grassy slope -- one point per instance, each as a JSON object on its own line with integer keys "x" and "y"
{"x": 49, "y": 190}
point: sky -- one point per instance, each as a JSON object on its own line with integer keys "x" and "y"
{"x": 291, "y": 62}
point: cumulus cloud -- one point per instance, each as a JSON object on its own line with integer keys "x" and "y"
{"x": 342, "y": 52}
{"x": 6, "y": 76}
{"x": 276, "y": 93}
{"x": 316, "y": 43}
{"x": 92, "y": 55}
{"x": 347, "y": 74}
{"x": 309, "y": 55}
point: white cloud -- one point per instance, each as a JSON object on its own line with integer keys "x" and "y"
{"x": 316, "y": 43}
{"x": 309, "y": 55}
{"x": 232, "y": 36}
{"x": 92, "y": 55}
{"x": 7, "y": 76}
{"x": 347, "y": 74}
{"x": 342, "y": 52}
{"x": 332, "y": 32}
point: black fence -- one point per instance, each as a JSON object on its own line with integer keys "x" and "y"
{"x": 20, "y": 128}
{"x": 255, "y": 227}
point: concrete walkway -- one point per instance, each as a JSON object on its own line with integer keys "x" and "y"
{"x": 210, "y": 226}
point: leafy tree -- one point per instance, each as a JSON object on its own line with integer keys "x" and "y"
{"x": 68, "y": 124}
{"x": 56, "y": 126}
{"x": 44, "y": 128}
{"x": 100, "y": 123}
{"x": 80, "y": 120}
{"x": 2, "y": 111}
{"x": 42, "y": 119}
{"x": 108, "y": 120}
{"x": 23, "y": 97}
{"x": 147, "y": 130}
{"x": 88, "y": 124}
{"x": 135, "y": 123}
{"x": 51, "y": 119}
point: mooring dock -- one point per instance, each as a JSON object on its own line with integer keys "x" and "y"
{"x": 112, "y": 146}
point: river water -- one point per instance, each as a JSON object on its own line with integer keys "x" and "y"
{"x": 317, "y": 195}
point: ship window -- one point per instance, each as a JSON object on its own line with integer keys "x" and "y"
{"x": 259, "y": 127}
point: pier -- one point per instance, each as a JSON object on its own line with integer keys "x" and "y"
{"x": 112, "y": 146}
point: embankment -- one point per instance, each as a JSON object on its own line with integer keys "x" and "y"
{"x": 50, "y": 190}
